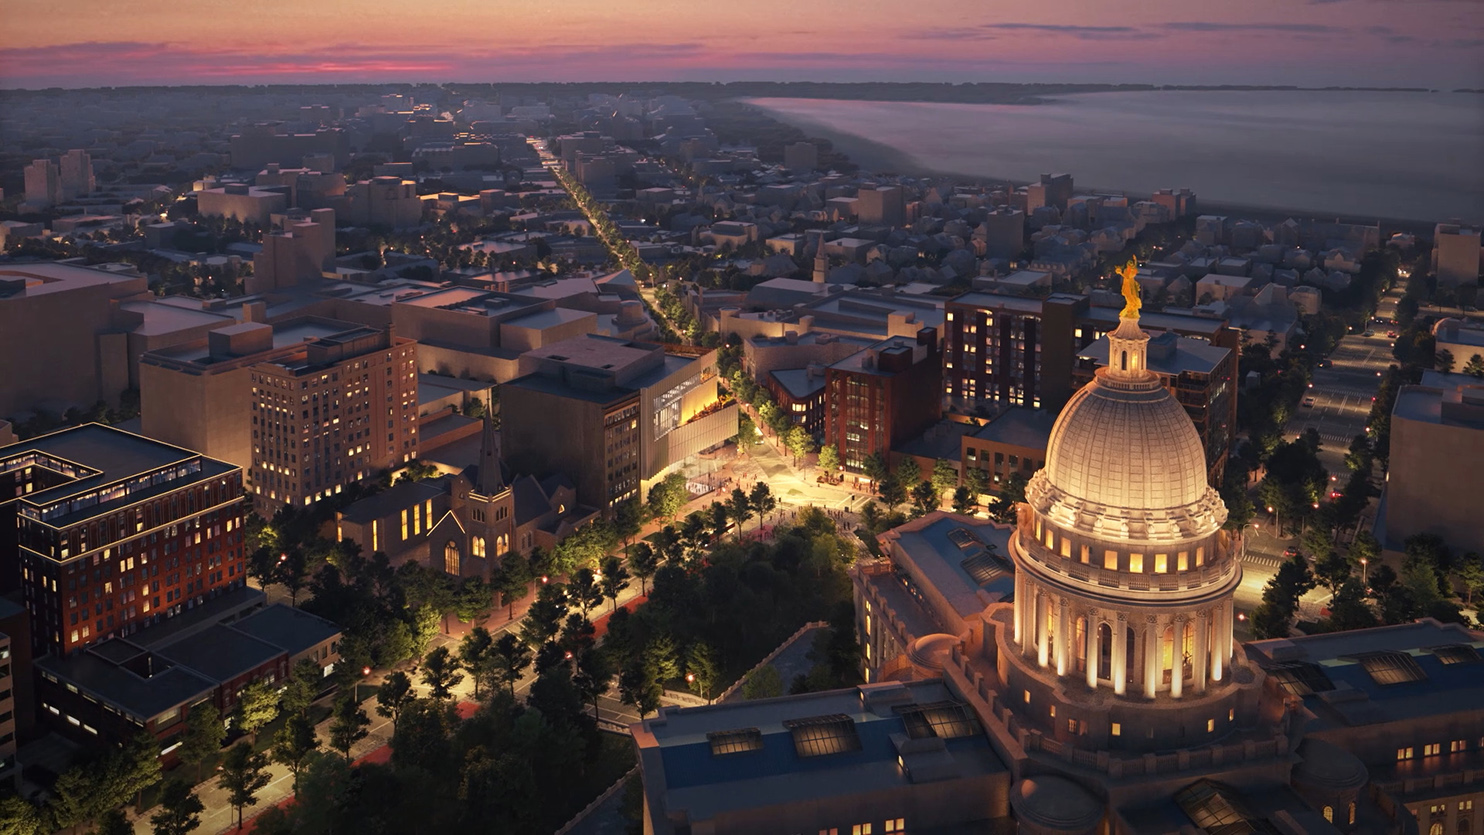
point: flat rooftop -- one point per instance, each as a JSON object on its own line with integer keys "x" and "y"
{"x": 1379, "y": 675}
{"x": 753, "y": 755}
{"x": 46, "y": 277}
{"x": 963, "y": 559}
{"x": 104, "y": 455}
{"x": 1019, "y": 426}
{"x": 595, "y": 352}
{"x": 997, "y": 301}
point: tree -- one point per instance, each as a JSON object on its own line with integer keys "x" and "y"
{"x": 963, "y": 502}
{"x": 203, "y": 736}
{"x": 1332, "y": 569}
{"x": 701, "y": 670}
{"x": 662, "y": 658}
{"x": 977, "y": 481}
{"x": 257, "y": 705}
{"x": 615, "y": 580}
{"x": 763, "y": 684}
{"x": 1348, "y": 608}
{"x": 293, "y": 743}
{"x": 739, "y": 508}
{"x": 762, "y": 500}
{"x": 638, "y": 688}
{"x": 876, "y": 468}
{"x": 441, "y": 673}
{"x": 945, "y": 475}
{"x": 511, "y": 658}
{"x": 628, "y": 520}
{"x": 474, "y": 652}
{"x": 1471, "y": 577}
{"x": 544, "y": 619}
{"x": 1280, "y": 598}
{"x": 1475, "y": 366}
{"x": 925, "y": 497}
{"x": 798, "y": 443}
{"x": 667, "y": 497}
{"x": 1443, "y": 360}
{"x": 584, "y": 590}
{"x": 393, "y": 695}
{"x": 829, "y": 458}
{"x": 243, "y": 774}
{"x": 643, "y": 562}
{"x": 892, "y": 491}
{"x": 593, "y": 677}
{"x": 512, "y": 581}
{"x": 908, "y": 473}
{"x": 301, "y": 688}
{"x": 19, "y": 816}
{"x": 350, "y": 724}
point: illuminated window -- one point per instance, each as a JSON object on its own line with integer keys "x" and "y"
{"x": 1136, "y": 563}
{"x": 451, "y": 558}
{"x": 428, "y": 512}
{"x": 1200, "y": 555}
{"x": 1329, "y": 814}
{"x": 1117, "y": 729}
{"x": 1458, "y": 745}
{"x": 1066, "y": 547}
{"x": 735, "y": 742}
{"x": 1161, "y": 563}
{"x": 1403, "y": 754}
{"x": 861, "y": 829}
{"x": 417, "y": 519}
{"x": 1231, "y": 715}
{"x": 404, "y": 524}
{"x": 1085, "y": 552}
{"x": 1432, "y": 749}
{"x": 477, "y": 546}
{"x": 1110, "y": 560}
{"x": 1210, "y": 725}
{"x": 895, "y": 825}
{"x": 1027, "y": 697}
{"x": 1182, "y": 561}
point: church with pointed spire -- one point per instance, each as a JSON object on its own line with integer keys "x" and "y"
{"x": 465, "y": 522}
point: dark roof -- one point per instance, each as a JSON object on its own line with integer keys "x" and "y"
{"x": 220, "y": 653}
{"x": 389, "y": 502}
{"x": 1022, "y": 427}
{"x": 798, "y": 382}
{"x": 143, "y": 698}
{"x": 531, "y": 502}
{"x": 293, "y": 630}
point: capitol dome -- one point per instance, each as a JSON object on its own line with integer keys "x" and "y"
{"x": 1127, "y": 445}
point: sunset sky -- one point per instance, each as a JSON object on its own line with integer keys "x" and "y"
{"x": 1437, "y": 43}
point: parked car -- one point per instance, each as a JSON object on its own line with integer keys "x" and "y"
{"x": 1308, "y": 402}
{"x": 1369, "y": 332}
{"x": 1291, "y": 551}
{"x": 1326, "y": 364}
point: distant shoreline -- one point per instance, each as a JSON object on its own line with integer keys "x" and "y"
{"x": 878, "y": 158}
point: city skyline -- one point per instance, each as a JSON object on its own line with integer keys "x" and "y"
{"x": 1437, "y": 43}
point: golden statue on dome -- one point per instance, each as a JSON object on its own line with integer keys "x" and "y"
{"x": 1130, "y": 291}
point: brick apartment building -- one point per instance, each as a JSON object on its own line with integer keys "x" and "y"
{"x": 879, "y": 398}
{"x": 108, "y": 532}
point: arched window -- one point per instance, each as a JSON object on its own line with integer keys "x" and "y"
{"x": 1436, "y": 828}
{"x": 451, "y": 558}
{"x": 476, "y": 546}
{"x": 1125, "y": 361}
{"x": 1167, "y": 649}
{"x": 1463, "y": 826}
{"x": 502, "y": 544}
{"x": 1105, "y": 651}
{"x": 1329, "y": 814}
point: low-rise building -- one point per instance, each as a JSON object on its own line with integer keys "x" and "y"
{"x": 243, "y": 202}
{"x": 153, "y": 679}
{"x": 1014, "y": 441}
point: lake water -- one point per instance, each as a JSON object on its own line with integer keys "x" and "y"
{"x": 1416, "y": 156}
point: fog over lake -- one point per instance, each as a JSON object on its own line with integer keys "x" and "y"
{"x": 1417, "y": 156}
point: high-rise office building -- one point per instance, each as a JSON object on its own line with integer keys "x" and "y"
{"x": 306, "y": 406}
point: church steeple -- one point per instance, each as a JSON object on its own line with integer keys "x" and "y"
{"x": 491, "y": 478}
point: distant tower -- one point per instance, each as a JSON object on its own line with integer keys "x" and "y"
{"x": 821, "y": 260}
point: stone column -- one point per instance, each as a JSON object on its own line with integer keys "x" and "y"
{"x": 1151, "y": 656}
{"x": 1043, "y": 638}
{"x": 1020, "y": 604}
{"x": 1219, "y": 624}
{"x": 1177, "y": 663}
{"x": 1226, "y": 634}
{"x": 1202, "y": 649}
{"x": 1090, "y": 632}
{"x": 1063, "y": 636}
{"x": 1119, "y": 670}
